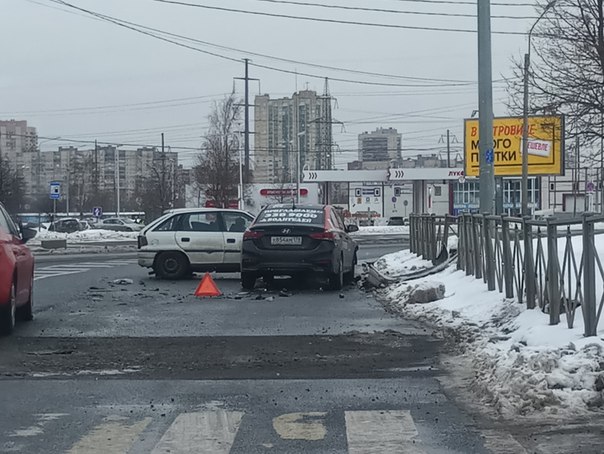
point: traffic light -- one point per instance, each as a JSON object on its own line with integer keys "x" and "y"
{"x": 397, "y": 192}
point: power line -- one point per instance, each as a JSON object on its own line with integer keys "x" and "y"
{"x": 151, "y": 32}
{"x": 389, "y": 11}
{"x": 143, "y": 30}
{"x": 114, "y": 106}
{"x": 332, "y": 21}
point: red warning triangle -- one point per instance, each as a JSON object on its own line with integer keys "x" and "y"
{"x": 207, "y": 287}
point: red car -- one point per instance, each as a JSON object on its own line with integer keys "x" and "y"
{"x": 16, "y": 273}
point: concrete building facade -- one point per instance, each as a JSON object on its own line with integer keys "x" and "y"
{"x": 288, "y": 129}
{"x": 381, "y": 145}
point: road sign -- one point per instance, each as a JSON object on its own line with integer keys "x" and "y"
{"x": 97, "y": 212}
{"x": 55, "y": 190}
{"x": 590, "y": 186}
{"x": 358, "y": 192}
{"x": 394, "y": 199}
{"x": 405, "y": 202}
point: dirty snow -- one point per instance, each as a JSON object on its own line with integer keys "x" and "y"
{"x": 383, "y": 229}
{"x": 522, "y": 365}
{"x": 91, "y": 235}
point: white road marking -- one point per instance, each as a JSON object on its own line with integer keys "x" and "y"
{"x": 502, "y": 443}
{"x": 207, "y": 432}
{"x": 115, "y": 436}
{"x": 67, "y": 269}
{"x": 300, "y": 426}
{"x": 381, "y": 432}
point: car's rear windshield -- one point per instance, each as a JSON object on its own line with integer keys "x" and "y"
{"x": 291, "y": 215}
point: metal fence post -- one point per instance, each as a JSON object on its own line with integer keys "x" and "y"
{"x": 489, "y": 255}
{"x": 508, "y": 261}
{"x": 529, "y": 265}
{"x": 412, "y": 233}
{"x": 432, "y": 241}
{"x": 461, "y": 244}
{"x": 589, "y": 279}
{"x": 477, "y": 248}
{"x": 553, "y": 273}
{"x": 470, "y": 249}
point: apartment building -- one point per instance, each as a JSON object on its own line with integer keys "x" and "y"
{"x": 381, "y": 145}
{"x": 291, "y": 134}
{"x": 19, "y": 145}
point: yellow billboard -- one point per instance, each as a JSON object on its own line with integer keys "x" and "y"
{"x": 545, "y": 146}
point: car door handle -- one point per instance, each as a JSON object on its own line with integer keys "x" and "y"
{"x": 185, "y": 240}
{"x": 231, "y": 240}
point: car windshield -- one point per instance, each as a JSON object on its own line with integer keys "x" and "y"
{"x": 291, "y": 215}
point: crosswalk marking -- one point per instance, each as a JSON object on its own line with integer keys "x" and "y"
{"x": 46, "y": 272}
{"x": 211, "y": 432}
{"x": 217, "y": 431}
{"x": 381, "y": 432}
{"x": 300, "y": 426}
{"x": 114, "y": 436}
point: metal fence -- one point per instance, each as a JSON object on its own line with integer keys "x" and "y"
{"x": 552, "y": 264}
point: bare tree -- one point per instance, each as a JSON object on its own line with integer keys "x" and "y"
{"x": 11, "y": 187}
{"x": 567, "y": 67}
{"x": 217, "y": 170}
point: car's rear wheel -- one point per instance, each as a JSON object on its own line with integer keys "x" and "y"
{"x": 171, "y": 265}
{"x": 26, "y": 312}
{"x": 248, "y": 280}
{"x": 8, "y": 314}
{"x": 336, "y": 279}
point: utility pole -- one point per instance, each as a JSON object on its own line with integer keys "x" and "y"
{"x": 162, "y": 183}
{"x": 246, "y": 113}
{"x": 117, "y": 181}
{"x": 485, "y": 107}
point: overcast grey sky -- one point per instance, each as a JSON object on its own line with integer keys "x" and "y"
{"x": 74, "y": 76}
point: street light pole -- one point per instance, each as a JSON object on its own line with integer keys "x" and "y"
{"x": 525, "y": 107}
{"x": 485, "y": 107}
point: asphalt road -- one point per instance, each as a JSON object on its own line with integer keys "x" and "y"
{"x": 143, "y": 366}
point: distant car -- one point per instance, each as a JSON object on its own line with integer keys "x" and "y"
{"x": 16, "y": 273}
{"x": 193, "y": 239}
{"x": 119, "y": 224}
{"x": 396, "y": 220}
{"x": 296, "y": 240}
{"x": 67, "y": 225}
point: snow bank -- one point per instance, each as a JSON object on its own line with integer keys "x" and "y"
{"x": 91, "y": 235}
{"x": 402, "y": 262}
{"x": 522, "y": 365}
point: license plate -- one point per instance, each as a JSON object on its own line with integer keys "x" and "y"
{"x": 286, "y": 240}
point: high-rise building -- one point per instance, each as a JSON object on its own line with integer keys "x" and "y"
{"x": 291, "y": 134}
{"x": 19, "y": 146}
{"x": 381, "y": 145}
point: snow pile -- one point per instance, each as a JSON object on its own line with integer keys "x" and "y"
{"x": 383, "y": 229}
{"x": 402, "y": 262}
{"x": 84, "y": 236}
{"x": 522, "y": 365}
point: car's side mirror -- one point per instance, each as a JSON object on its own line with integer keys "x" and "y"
{"x": 27, "y": 233}
{"x": 352, "y": 228}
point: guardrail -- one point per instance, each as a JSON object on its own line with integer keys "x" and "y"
{"x": 535, "y": 262}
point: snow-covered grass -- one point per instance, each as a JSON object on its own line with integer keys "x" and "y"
{"x": 522, "y": 365}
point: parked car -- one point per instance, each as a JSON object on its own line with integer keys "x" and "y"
{"x": 295, "y": 240}
{"x": 67, "y": 225}
{"x": 16, "y": 273}
{"x": 193, "y": 239}
{"x": 396, "y": 220}
{"x": 119, "y": 224}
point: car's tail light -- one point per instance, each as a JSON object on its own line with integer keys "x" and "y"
{"x": 142, "y": 241}
{"x": 252, "y": 235}
{"x": 325, "y": 235}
